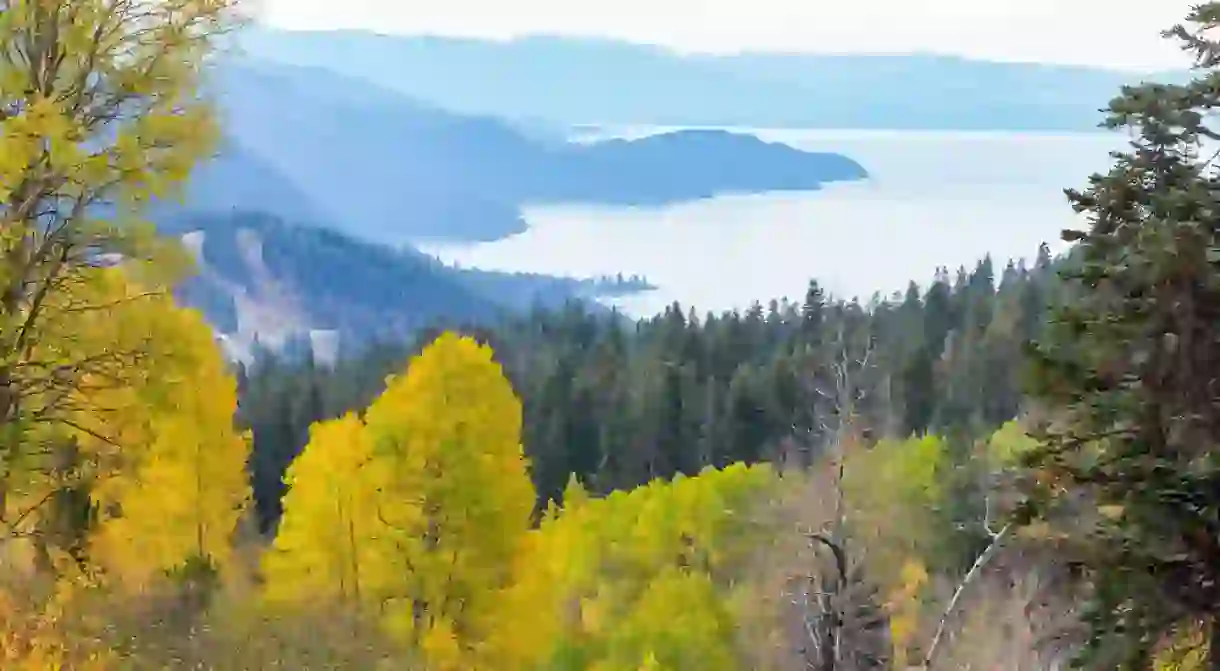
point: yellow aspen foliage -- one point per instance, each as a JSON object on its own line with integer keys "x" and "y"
{"x": 441, "y": 648}
{"x": 905, "y": 609}
{"x": 100, "y": 110}
{"x": 1009, "y": 443}
{"x": 179, "y": 496}
{"x": 1187, "y": 650}
{"x": 451, "y": 430}
{"x": 144, "y": 425}
{"x": 596, "y": 579}
{"x": 650, "y": 663}
{"x": 90, "y": 366}
{"x": 416, "y": 514}
{"x": 47, "y": 632}
{"x": 679, "y": 622}
{"x": 574, "y": 494}
{"x": 331, "y": 544}
{"x": 101, "y": 97}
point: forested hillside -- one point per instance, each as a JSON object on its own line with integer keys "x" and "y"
{"x": 260, "y": 279}
{"x": 1010, "y": 468}
{"x": 617, "y": 405}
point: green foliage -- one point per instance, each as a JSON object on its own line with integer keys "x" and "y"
{"x": 1127, "y": 370}
{"x": 618, "y": 407}
{"x": 895, "y": 491}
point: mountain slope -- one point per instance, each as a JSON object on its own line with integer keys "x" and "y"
{"x": 593, "y": 81}
{"x": 259, "y": 276}
{"x": 262, "y": 278}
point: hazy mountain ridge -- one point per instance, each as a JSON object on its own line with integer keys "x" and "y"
{"x": 389, "y": 168}
{"x": 600, "y": 81}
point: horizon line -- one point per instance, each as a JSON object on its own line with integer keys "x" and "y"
{"x": 727, "y": 53}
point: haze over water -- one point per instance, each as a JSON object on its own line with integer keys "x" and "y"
{"x": 933, "y": 199}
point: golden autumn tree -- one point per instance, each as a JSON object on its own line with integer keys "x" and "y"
{"x": 452, "y": 427}
{"x": 148, "y": 474}
{"x": 99, "y": 113}
{"x": 176, "y": 496}
{"x": 416, "y": 514}
{"x": 172, "y": 380}
{"x": 330, "y": 548}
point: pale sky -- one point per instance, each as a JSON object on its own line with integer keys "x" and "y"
{"x": 1115, "y": 33}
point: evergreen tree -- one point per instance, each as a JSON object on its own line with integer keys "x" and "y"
{"x": 1128, "y": 372}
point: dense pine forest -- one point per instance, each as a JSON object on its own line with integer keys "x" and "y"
{"x": 1005, "y": 467}
{"x": 617, "y": 404}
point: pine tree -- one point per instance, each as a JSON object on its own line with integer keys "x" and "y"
{"x": 1129, "y": 362}
{"x": 811, "y": 312}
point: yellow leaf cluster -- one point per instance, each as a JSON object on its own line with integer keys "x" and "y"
{"x": 331, "y": 541}
{"x": 413, "y": 515}
{"x": 100, "y": 109}
{"x": 143, "y": 406}
{"x": 451, "y": 428}
{"x": 905, "y": 609}
{"x": 1009, "y": 443}
{"x": 44, "y": 633}
{"x": 181, "y": 494}
{"x": 113, "y": 110}
{"x": 1187, "y": 650}
{"x": 598, "y": 578}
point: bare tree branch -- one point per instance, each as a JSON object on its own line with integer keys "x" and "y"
{"x": 979, "y": 563}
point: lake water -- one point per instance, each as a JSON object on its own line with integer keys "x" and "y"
{"x": 934, "y": 199}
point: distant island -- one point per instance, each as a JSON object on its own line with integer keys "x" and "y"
{"x": 688, "y": 165}
{"x": 314, "y": 147}
{"x": 618, "y": 286}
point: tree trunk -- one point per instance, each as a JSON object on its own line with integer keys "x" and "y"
{"x": 16, "y": 259}
{"x": 1213, "y": 644}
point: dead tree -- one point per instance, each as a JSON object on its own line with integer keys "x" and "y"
{"x": 843, "y": 625}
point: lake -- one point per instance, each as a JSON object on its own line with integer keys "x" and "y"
{"x": 934, "y": 199}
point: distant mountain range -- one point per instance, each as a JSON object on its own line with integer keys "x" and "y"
{"x": 342, "y": 148}
{"x": 575, "y": 81}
